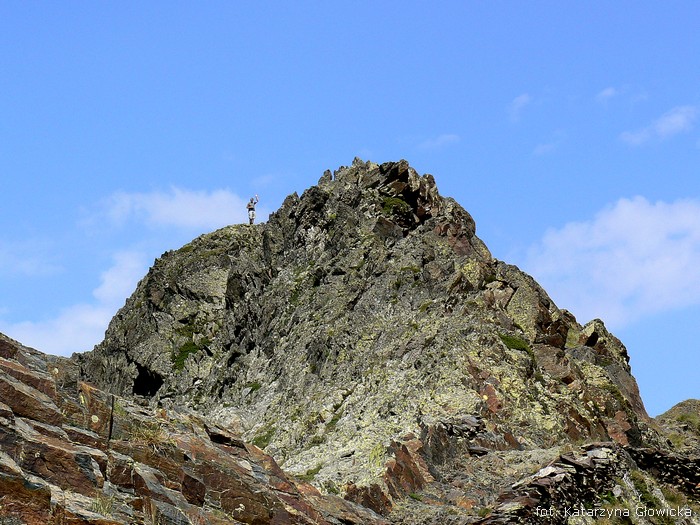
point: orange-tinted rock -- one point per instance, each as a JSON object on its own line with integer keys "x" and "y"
{"x": 372, "y": 497}
{"x": 120, "y": 470}
{"x": 42, "y": 382}
{"x": 407, "y": 471}
{"x": 97, "y": 406}
{"x": 20, "y": 498}
{"x": 8, "y": 350}
{"x": 193, "y": 488}
{"x": 27, "y": 401}
{"x": 157, "y": 468}
{"x": 490, "y": 395}
{"x": 59, "y": 462}
{"x": 6, "y": 412}
{"x": 85, "y": 437}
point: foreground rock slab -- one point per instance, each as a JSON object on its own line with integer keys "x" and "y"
{"x": 88, "y": 457}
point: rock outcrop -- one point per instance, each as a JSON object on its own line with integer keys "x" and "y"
{"x": 73, "y": 454}
{"x": 366, "y": 339}
{"x": 681, "y": 426}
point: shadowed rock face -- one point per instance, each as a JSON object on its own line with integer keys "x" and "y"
{"x": 366, "y": 339}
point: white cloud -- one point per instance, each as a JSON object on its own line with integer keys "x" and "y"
{"x": 635, "y": 138}
{"x": 119, "y": 281}
{"x": 178, "y": 207}
{"x": 633, "y": 259}
{"x": 548, "y": 147}
{"x": 518, "y": 104}
{"x": 76, "y": 329}
{"x": 28, "y": 258}
{"x": 543, "y": 149}
{"x": 79, "y": 327}
{"x": 264, "y": 181}
{"x": 606, "y": 94}
{"x": 642, "y": 96}
{"x": 678, "y": 120}
{"x": 439, "y": 142}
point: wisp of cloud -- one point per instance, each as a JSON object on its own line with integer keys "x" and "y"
{"x": 633, "y": 259}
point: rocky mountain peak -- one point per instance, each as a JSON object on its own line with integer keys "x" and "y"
{"x": 367, "y": 340}
{"x": 390, "y": 200}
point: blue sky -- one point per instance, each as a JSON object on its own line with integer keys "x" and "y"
{"x": 569, "y": 130}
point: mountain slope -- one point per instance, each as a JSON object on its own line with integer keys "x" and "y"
{"x": 73, "y": 454}
{"x": 366, "y": 338}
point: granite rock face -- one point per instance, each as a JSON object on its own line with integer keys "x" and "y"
{"x": 366, "y": 339}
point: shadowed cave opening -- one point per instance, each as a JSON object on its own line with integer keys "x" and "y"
{"x": 147, "y": 382}
{"x": 592, "y": 340}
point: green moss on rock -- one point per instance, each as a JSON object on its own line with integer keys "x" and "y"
{"x": 263, "y": 439}
{"x": 395, "y": 206}
{"x": 514, "y": 343}
{"x": 185, "y": 351}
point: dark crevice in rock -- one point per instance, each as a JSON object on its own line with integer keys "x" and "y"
{"x": 147, "y": 382}
{"x": 591, "y": 340}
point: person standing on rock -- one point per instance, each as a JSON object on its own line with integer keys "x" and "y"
{"x": 251, "y": 208}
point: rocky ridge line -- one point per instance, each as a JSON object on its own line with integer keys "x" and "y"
{"x": 367, "y": 340}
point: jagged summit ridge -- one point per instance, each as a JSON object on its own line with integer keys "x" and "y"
{"x": 320, "y": 228}
{"x": 364, "y": 318}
